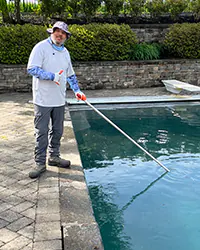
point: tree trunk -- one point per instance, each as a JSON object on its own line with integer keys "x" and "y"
{"x": 17, "y": 11}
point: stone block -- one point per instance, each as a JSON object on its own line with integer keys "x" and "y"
{"x": 50, "y": 206}
{"x": 48, "y": 244}
{"x": 47, "y": 217}
{"x": 48, "y": 234}
{"x": 48, "y": 225}
{"x": 82, "y": 236}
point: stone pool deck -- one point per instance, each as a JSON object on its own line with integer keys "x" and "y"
{"x": 53, "y": 212}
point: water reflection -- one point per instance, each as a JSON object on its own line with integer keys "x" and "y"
{"x": 142, "y": 192}
{"x": 110, "y": 220}
{"x": 189, "y": 115}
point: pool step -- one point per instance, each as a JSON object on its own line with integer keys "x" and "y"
{"x": 178, "y": 87}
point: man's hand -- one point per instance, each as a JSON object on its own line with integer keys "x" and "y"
{"x": 80, "y": 96}
{"x": 58, "y": 77}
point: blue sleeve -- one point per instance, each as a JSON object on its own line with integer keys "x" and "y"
{"x": 41, "y": 74}
{"x": 73, "y": 82}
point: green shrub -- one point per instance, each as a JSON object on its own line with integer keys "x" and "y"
{"x": 100, "y": 42}
{"x": 144, "y": 51}
{"x": 88, "y": 42}
{"x": 183, "y": 40}
{"x": 81, "y": 44}
{"x": 17, "y": 41}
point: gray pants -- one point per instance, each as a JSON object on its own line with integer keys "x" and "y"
{"x": 48, "y": 131}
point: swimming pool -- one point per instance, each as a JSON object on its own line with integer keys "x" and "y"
{"x": 136, "y": 204}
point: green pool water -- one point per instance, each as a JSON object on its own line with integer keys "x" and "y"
{"x": 136, "y": 204}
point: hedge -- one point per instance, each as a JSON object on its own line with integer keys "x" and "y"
{"x": 17, "y": 41}
{"x": 101, "y": 42}
{"x": 88, "y": 42}
{"x": 183, "y": 40}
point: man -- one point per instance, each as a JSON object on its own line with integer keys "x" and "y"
{"x": 50, "y": 65}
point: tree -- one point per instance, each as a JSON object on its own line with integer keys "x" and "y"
{"x": 176, "y": 7}
{"x": 52, "y": 7}
{"x": 195, "y": 8}
{"x": 89, "y": 7}
{"x": 156, "y": 7}
{"x": 73, "y": 6}
{"x": 5, "y": 12}
{"x": 114, "y": 7}
{"x": 136, "y": 6}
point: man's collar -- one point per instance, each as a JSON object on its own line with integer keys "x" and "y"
{"x": 58, "y": 48}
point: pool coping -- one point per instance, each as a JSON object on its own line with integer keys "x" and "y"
{"x": 135, "y": 99}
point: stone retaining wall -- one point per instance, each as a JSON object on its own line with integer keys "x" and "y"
{"x": 111, "y": 75}
{"x": 150, "y": 33}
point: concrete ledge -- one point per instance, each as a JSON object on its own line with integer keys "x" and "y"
{"x": 135, "y": 99}
{"x": 80, "y": 230}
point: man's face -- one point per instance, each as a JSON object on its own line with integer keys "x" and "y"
{"x": 59, "y": 36}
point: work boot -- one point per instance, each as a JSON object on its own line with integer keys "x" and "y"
{"x": 37, "y": 171}
{"x": 59, "y": 162}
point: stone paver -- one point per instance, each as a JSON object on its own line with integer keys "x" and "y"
{"x": 7, "y": 235}
{"x": 4, "y": 206}
{"x": 10, "y": 216}
{"x": 50, "y": 245}
{"x": 21, "y": 197}
{"x": 22, "y": 206}
{"x": 3, "y": 223}
{"x": 28, "y": 247}
{"x": 27, "y": 232}
{"x": 47, "y": 217}
{"x": 19, "y": 224}
{"x": 17, "y": 244}
{"x": 48, "y": 234}
{"x": 31, "y": 211}
{"x": 13, "y": 200}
